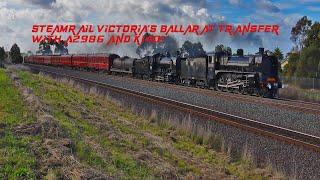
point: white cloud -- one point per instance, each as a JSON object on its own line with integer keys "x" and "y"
{"x": 20, "y": 19}
{"x": 5, "y": 29}
{"x": 100, "y": 11}
{"x": 3, "y": 4}
{"x": 267, "y": 6}
{"x": 315, "y": 9}
{"x": 292, "y": 19}
{"x": 234, "y": 2}
{"x": 308, "y": 1}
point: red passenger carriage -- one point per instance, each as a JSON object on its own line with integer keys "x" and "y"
{"x": 101, "y": 62}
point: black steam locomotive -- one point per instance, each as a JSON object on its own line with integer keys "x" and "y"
{"x": 158, "y": 67}
{"x": 251, "y": 74}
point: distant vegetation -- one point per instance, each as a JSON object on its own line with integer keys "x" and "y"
{"x": 294, "y": 92}
{"x": 190, "y": 49}
{"x": 3, "y": 55}
{"x": 15, "y": 54}
{"x": 304, "y": 61}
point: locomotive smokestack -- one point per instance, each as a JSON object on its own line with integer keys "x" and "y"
{"x": 240, "y": 52}
{"x": 261, "y": 51}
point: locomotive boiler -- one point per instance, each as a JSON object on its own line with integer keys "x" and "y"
{"x": 165, "y": 68}
{"x": 159, "y": 67}
{"x": 144, "y": 68}
{"x": 123, "y": 65}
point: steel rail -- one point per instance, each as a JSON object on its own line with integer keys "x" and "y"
{"x": 301, "y": 106}
{"x": 279, "y": 133}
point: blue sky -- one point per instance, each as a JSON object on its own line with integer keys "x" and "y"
{"x": 18, "y": 16}
{"x": 237, "y": 9}
{"x": 284, "y": 13}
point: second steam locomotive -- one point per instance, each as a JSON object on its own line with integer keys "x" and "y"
{"x": 249, "y": 74}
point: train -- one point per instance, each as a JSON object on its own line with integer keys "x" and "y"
{"x": 247, "y": 74}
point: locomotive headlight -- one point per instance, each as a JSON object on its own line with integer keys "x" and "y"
{"x": 269, "y": 86}
{"x": 275, "y": 84}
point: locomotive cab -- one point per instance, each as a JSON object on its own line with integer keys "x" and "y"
{"x": 198, "y": 71}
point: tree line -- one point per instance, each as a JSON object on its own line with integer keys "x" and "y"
{"x": 15, "y": 55}
{"x": 304, "y": 58}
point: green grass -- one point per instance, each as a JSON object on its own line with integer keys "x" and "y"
{"x": 16, "y": 161}
{"x": 65, "y": 103}
{"x": 115, "y": 155}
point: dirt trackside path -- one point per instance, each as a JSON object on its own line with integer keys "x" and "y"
{"x": 115, "y": 143}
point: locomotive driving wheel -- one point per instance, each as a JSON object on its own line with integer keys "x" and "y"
{"x": 241, "y": 90}
{"x": 221, "y": 82}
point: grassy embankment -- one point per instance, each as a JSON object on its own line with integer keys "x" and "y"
{"x": 114, "y": 140}
{"x": 292, "y": 92}
{"x": 16, "y": 159}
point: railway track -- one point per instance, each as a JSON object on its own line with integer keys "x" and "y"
{"x": 289, "y": 136}
{"x": 288, "y": 104}
{"x": 301, "y": 106}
